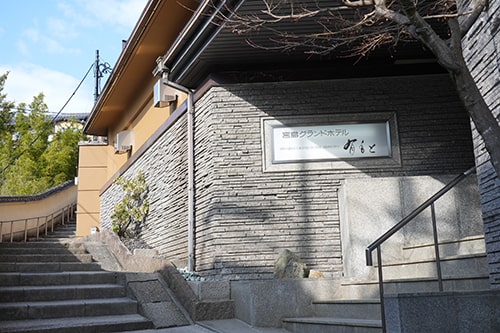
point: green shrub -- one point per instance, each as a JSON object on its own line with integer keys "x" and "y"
{"x": 129, "y": 214}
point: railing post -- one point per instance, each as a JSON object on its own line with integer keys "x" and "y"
{"x": 11, "y": 231}
{"x": 25, "y": 230}
{"x": 436, "y": 248}
{"x": 381, "y": 288}
{"x": 37, "y": 227}
{"x": 52, "y": 222}
{"x": 1, "y": 234}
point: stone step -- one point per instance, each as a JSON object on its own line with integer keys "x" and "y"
{"x": 56, "y": 278}
{"x": 447, "y": 248}
{"x": 67, "y": 308}
{"x": 61, "y": 234}
{"x": 232, "y": 325}
{"x": 42, "y": 250}
{"x": 51, "y": 284}
{"x": 119, "y": 323}
{"x": 362, "y": 313}
{"x": 58, "y": 293}
{"x": 46, "y": 239}
{"x": 348, "y": 309}
{"x": 70, "y": 224}
{"x": 40, "y": 258}
{"x": 331, "y": 325}
{"x": 351, "y": 289}
{"x": 63, "y": 230}
{"x": 48, "y": 267}
{"x": 40, "y": 243}
{"x": 455, "y": 283}
{"x": 461, "y": 265}
{"x": 66, "y": 227}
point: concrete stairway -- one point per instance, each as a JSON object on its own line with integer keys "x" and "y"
{"x": 52, "y": 285}
{"x": 357, "y": 308}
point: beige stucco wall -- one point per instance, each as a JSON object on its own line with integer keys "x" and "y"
{"x": 32, "y": 212}
{"x": 98, "y": 163}
{"x": 92, "y": 174}
{"x": 143, "y": 119}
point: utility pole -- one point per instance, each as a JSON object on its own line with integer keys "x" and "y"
{"x": 99, "y": 70}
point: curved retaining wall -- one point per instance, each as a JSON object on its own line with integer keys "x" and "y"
{"x": 35, "y": 209}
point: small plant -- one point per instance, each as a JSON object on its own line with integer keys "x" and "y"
{"x": 131, "y": 211}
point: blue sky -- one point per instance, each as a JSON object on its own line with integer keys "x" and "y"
{"x": 48, "y": 45}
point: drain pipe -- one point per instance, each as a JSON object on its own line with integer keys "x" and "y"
{"x": 190, "y": 147}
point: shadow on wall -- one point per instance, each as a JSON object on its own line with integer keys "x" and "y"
{"x": 374, "y": 207}
{"x": 259, "y": 213}
{"x": 249, "y": 228}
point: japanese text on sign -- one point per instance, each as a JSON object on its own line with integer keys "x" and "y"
{"x": 340, "y": 141}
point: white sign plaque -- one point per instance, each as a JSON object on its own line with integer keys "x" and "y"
{"x": 330, "y": 142}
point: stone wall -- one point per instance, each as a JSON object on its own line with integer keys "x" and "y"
{"x": 245, "y": 216}
{"x": 164, "y": 166}
{"x": 482, "y": 54}
{"x": 463, "y": 312}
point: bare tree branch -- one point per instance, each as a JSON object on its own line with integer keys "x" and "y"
{"x": 422, "y": 30}
{"x": 456, "y": 37}
{"x": 382, "y": 10}
{"x": 354, "y": 28}
{"x": 302, "y": 13}
{"x": 375, "y": 22}
{"x": 477, "y": 9}
{"x": 358, "y": 3}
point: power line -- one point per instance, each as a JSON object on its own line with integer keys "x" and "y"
{"x": 14, "y": 159}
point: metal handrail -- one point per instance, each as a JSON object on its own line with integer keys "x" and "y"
{"x": 375, "y": 245}
{"x": 66, "y": 213}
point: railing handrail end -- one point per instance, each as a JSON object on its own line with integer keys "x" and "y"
{"x": 369, "y": 259}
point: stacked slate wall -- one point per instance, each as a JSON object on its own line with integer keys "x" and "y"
{"x": 245, "y": 217}
{"x": 482, "y": 54}
{"x": 164, "y": 166}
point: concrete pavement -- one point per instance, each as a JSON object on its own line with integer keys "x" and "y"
{"x": 217, "y": 326}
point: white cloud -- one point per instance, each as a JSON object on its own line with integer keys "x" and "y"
{"x": 124, "y": 13}
{"x": 61, "y": 28}
{"x": 35, "y": 39}
{"x": 75, "y": 15}
{"x": 23, "y": 48}
{"x": 121, "y": 14}
{"x": 32, "y": 34}
{"x": 27, "y": 80}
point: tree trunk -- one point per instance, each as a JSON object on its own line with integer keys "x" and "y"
{"x": 478, "y": 110}
{"x": 449, "y": 55}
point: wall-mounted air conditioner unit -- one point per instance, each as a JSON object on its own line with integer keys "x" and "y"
{"x": 163, "y": 95}
{"x": 124, "y": 141}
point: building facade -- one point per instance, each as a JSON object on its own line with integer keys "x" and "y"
{"x": 482, "y": 54}
{"x": 248, "y": 153}
{"x": 246, "y": 215}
